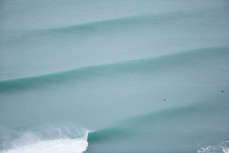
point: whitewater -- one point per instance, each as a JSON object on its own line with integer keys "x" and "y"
{"x": 114, "y": 76}
{"x": 64, "y": 146}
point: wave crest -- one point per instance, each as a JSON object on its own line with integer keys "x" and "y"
{"x": 50, "y": 140}
{"x": 52, "y": 146}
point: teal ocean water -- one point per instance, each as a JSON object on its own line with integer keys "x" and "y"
{"x": 114, "y": 76}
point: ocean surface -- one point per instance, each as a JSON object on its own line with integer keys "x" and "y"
{"x": 114, "y": 76}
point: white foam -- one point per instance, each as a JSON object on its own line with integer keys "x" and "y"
{"x": 223, "y": 147}
{"x": 52, "y": 146}
{"x": 61, "y": 145}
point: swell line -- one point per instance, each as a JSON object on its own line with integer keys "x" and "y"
{"x": 107, "y": 134}
{"x": 148, "y": 65}
{"x": 117, "y": 24}
{"x": 118, "y": 131}
{"x": 130, "y": 20}
{"x": 155, "y": 118}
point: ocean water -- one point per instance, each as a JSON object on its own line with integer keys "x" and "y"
{"x": 114, "y": 76}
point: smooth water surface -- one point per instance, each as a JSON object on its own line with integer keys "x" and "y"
{"x": 114, "y": 76}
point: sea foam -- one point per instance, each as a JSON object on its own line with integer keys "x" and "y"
{"x": 223, "y": 147}
{"x": 52, "y": 146}
{"x": 35, "y": 143}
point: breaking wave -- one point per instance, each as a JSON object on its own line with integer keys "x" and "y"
{"x": 61, "y": 139}
{"x": 52, "y": 146}
{"x": 223, "y": 147}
